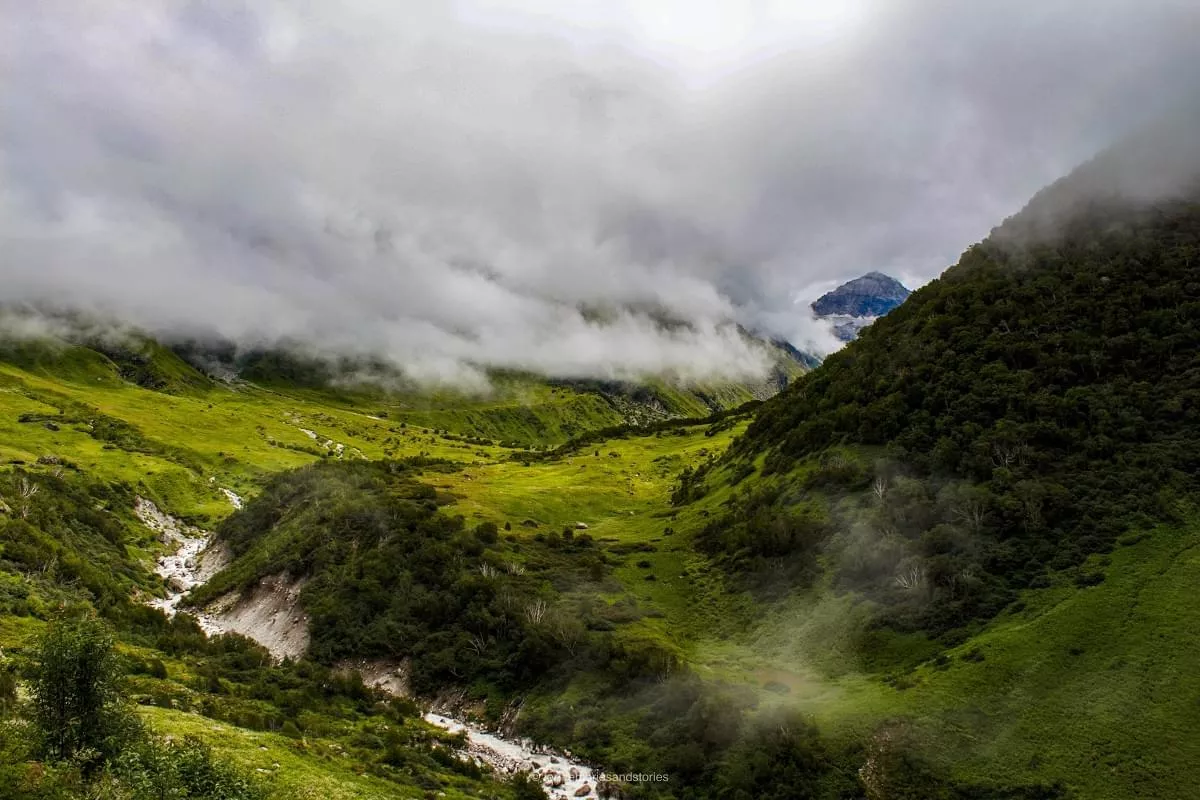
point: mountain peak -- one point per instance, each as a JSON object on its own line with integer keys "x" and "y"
{"x": 859, "y": 301}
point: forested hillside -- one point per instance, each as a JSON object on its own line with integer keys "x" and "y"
{"x": 1026, "y": 409}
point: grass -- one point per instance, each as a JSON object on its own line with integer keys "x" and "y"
{"x": 293, "y": 769}
{"x": 195, "y": 443}
{"x": 1097, "y": 687}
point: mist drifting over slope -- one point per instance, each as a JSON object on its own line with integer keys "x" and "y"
{"x": 538, "y": 185}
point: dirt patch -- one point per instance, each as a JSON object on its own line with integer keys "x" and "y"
{"x": 270, "y": 614}
{"x": 212, "y": 559}
{"x": 387, "y": 674}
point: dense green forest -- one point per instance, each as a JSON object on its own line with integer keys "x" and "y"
{"x": 1028, "y": 408}
{"x": 390, "y": 576}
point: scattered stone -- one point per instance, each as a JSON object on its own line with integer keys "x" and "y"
{"x": 584, "y": 791}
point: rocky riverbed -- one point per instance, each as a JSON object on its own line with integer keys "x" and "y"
{"x": 561, "y": 777}
{"x": 192, "y": 563}
{"x": 183, "y": 569}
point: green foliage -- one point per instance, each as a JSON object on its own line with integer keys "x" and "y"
{"x": 148, "y": 364}
{"x": 780, "y": 757}
{"x": 727, "y": 417}
{"x": 185, "y": 769}
{"x": 66, "y": 544}
{"x": 757, "y": 535}
{"x": 391, "y": 576}
{"x": 1052, "y": 377}
{"x": 77, "y": 700}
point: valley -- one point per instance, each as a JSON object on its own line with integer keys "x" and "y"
{"x": 1012, "y": 701}
{"x": 955, "y": 560}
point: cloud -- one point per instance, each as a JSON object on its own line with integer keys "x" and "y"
{"x": 464, "y": 186}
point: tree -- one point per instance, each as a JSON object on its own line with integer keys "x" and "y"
{"x": 78, "y": 709}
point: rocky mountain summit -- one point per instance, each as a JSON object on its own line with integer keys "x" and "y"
{"x": 857, "y": 303}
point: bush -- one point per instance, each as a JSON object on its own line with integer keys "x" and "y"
{"x": 78, "y": 707}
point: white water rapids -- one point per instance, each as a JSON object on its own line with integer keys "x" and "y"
{"x": 561, "y": 777}
{"x": 184, "y": 569}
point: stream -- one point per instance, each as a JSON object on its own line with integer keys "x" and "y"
{"x": 185, "y": 569}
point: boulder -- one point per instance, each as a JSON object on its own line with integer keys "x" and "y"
{"x": 581, "y": 526}
{"x": 583, "y": 791}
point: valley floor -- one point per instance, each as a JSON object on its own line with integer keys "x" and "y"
{"x": 1095, "y": 688}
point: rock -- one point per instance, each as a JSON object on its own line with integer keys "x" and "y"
{"x": 553, "y": 760}
{"x": 553, "y": 779}
{"x": 581, "y": 526}
{"x": 574, "y": 773}
{"x": 872, "y": 295}
{"x": 607, "y": 789}
{"x": 584, "y": 791}
{"x": 855, "y": 305}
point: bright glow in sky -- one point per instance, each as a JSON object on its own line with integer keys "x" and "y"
{"x": 700, "y": 40}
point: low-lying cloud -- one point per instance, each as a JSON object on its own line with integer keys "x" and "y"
{"x": 456, "y": 187}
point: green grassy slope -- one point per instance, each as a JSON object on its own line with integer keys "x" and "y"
{"x": 77, "y": 415}
{"x": 1095, "y": 688}
{"x": 1075, "y": 679}
{"x": 967, "y": 542}
{"x": 1098, "y": 687}
{"x": 929, "y": 518}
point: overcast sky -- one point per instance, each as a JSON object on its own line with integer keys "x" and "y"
{"x": 531, "y": 184}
